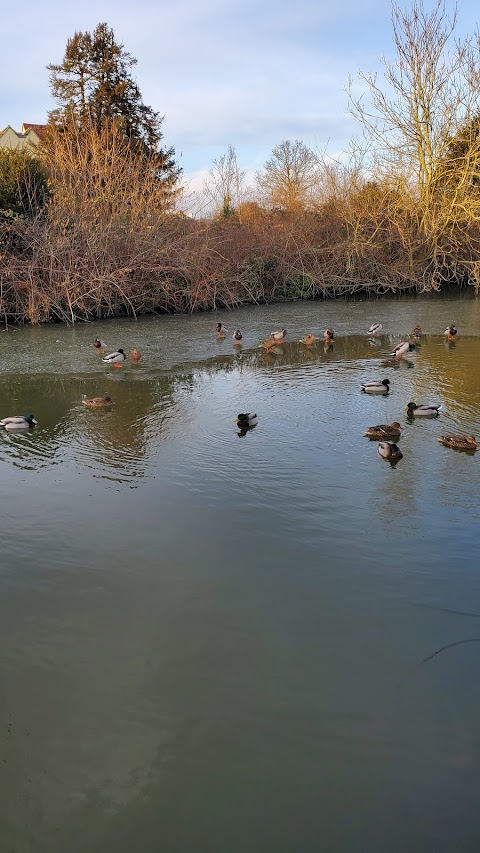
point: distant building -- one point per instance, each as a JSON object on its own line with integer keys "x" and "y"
{"x": 28, "y": 139}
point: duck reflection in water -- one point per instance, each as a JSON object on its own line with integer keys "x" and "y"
{"x": 270, "y": 353}
{"x": 246, "y": 421}
{"x": 242, "y": 432}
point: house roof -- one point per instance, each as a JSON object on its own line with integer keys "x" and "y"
{"x": 38, "y": 128}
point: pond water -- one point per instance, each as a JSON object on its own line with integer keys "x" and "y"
{"x": 212, "y": 642}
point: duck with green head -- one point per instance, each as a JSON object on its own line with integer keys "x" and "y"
{"x": 415, "y": 411}
{"x": 377, "y": 387}
{"x": 19, "y": 422}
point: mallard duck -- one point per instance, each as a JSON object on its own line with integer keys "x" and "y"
{"x": 237, "y": 337}
{"x": 246, "y": 419}
{"x": 391, "y": 362}
{"x": 329, "y": 335}
{"x": 19, "y": 422}
{"x": 416, "y": 332}
{"x": 98, "y": 402}
{"x": 308, "y": 340}
{"x": 389, "y": 451}
{"x": 376, "y": 387}
{"x": 115, "y": 357}
{"x": 422, "y": 411}
{"x": 279, "y": 336}
{"x": 451, "y": 331}
{"x": 221, "y": 331}
{"x": 135, "y": 355}
{"x": 402, "y": 349}
{"x": 99, "y": 344}
{"x": 375, "y": 328}
{"x": 459, "y": 442}
{"x": 382, "y": 431}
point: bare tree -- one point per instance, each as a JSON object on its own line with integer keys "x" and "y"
{"x": 223, "y": 187}
{"x": 289, "y": 177}
{"x": 430, "y": 93}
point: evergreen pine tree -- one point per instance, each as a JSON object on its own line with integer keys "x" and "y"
{"x": 94, "y": 87}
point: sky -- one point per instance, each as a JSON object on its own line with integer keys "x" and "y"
{"x": 245, "y": 73}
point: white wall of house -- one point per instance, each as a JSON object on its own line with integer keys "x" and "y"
{"x": 10, "y": 139}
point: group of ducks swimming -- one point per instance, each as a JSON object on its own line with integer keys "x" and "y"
{"x": 24, "y": 422}
{"x": 118, "y": 357}
{"x": 385, "y": 434}
{"x": 275, "y": 338}
{"x": 247, "y": 420}
{"x": 381, "y": 432}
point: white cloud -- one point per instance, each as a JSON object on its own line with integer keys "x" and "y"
{"x": 241, "y": 73}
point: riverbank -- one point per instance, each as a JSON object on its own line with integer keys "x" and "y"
{"x": 53, "y": 273}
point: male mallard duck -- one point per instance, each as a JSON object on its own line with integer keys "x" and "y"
{"x": 382, "y": 431}
{"x": 237, "y": 337}
{"x": 279, "y": 336}
{"x": 99, "y": 344}
{"x": 308, "y": 340}
{"x": 459, "y": 442}
{"x": 246, "y": 419}
{"x": 135, "y": 355}
{"x": 422, "y": 411}
{"x": 19, "y": 422}
{"x": 115, "y": 357}
{"x": 402, "y": 349}
{"x": 451, "y": 331}
{"x": 376, "y": 387}
{"x": 98, "y": 402}
{"x": 375, "y": 329}
{"x": 221, "y": 331}
{"x": 389, "y": 451}
{"x": 329, "y": 335}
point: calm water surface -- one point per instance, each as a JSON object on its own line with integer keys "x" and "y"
{"x": 212, "y": 643}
